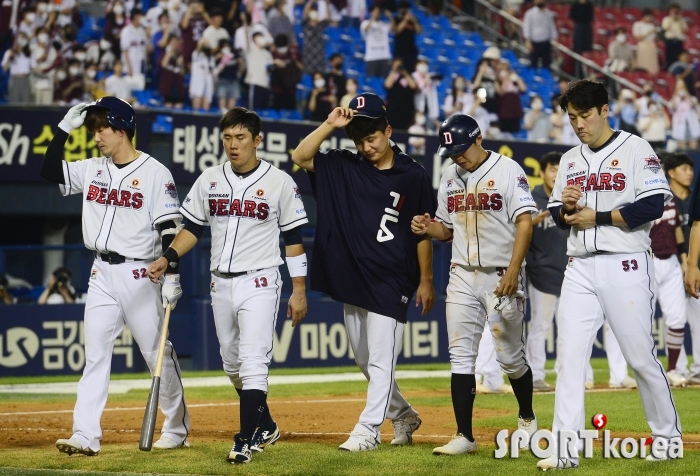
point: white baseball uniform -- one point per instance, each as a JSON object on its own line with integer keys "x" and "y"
{"x": 121, "y": 208}
{"x": 480, "y": 207}
{"x": 246, "y": 216}
{"x": 133, "y": 41}
{"x": 610, "y": 275}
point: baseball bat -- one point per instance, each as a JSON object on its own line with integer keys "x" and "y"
{"x": 149, "y": 417}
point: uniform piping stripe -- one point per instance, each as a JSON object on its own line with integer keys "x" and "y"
{"x": 119, "y": 188}
{"x": 520, "y": 208}
{"x": 651, "y": 324}
{"x": 106, "y": 209}
{"x": 239, "y": 220}
{"x": 192, "y": 217}
{"x": 293, "y": 222}
{"x": 649, "y": 192}
{"x": 464, "y": 183}
{"x": 173, "y": 214}
{"x": 177, "y": 372}
{"x": 476, "y": 217}
{"x": 393, "y": 369}
{"x": 274, "y": 317}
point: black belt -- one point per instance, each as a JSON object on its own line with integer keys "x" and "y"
{"x": 219, "y": 274}
{"x": 114, "y": 258}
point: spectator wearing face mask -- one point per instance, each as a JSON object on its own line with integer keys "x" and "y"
{"x": 626, "y": 110}
{"x": 537, "y": 121}
{"x": 685, "y": 125}
{"x": 45, "y": 14}
{"x": 201, "y": 79}
{"x": 171, "y": 84}
{"x": 43, "y": 57}
{"x": 335, "y": 78}
{"x": 645, "y": 99}
{"x": 458, "y": 100}
{"x": 321, "y": 101}
{"x": 314, "y": 47}
{"x": 376, "y": 31}
{"x": 159, "y": 41}
{"x": 285, "y": 73}
{"x": 258, "y": 61}
{"x": 645, "y": 33}
{"x": 621, "y": 56}
{"x": 244, "y": 34}
{"x": 94, "y": 88}
{"x": 101, "y": 53}
{"x": 117, "y": 84}
{"x": 80, "y": 54}
{"x": 416, "y": 142}
{"x": 350, "y": 92}
{"x": 426, "y": 97}
{"x": 226, "y": 71}
{"x": 17, "y": 60}
{"x": 134, "y": 45}
{"x": 115, "y": 21}
{"x": 66, "y": 10}
{"x": 59, "y": 289}
{"x": 654, "y": 125}
{"x": 29, "y": 23}
{"x": 71, "y": 89}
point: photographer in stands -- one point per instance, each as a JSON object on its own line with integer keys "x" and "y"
{"x": 59, "y": 289}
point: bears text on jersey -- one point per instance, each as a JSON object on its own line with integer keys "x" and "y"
{"x": 603, "y": 182}
{"x": 474, "y": 202}
{"x": 249, "y": 209}
{"x": 124, "y": 199}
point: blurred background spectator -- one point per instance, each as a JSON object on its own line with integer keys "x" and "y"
{"x": 202, "y": 79}
{"x": 5, "y": 296}
{"x": 71, "y": 89}
{"x": 59, "y": 289}
{"x": 194, "y": 22}
{"x": 685, "y": 125}
{"x": 94, "y": 87}
{"x": 485, "y": 78}
{"x": 258, "y": 60}
{"x": 644, "y": 32}
{"x": 335, "y": 79}
{"x": 279, "y": 23}
{"x": 674, "y": 28}
{"x": 509, "y": 87}
{"x": 116, "y": 21}
{"x": 581, "y": 13}
{"x": 376, "y": 31}
{"x": 539, "y": 29}
{"x": 683, "y": 70}
{"x": 653, "y": 126}
{"x": 621, "y": 56}
{"x": 134, "y": 45}
{"x": 314, "y": 54}
{"x": 321, "y": 102}
{"x": 43, "y": 57}
{"x": 117, "y": 84}
{"x": 537, "y": 121}
{"x": 416, "y": 144}
{"x": 17, "y": 60}
{"x": 407, "y": 27}
{"x": 400, "y": 87}
{"x": 626, "y": 110}
{"x": 426, "y": 96}
{"x": 244, "y": 34}
{"x": 226, "y": 73}
{"x": 171, "y": 83}
{"x": 215, "y": 32}
{"x": 285, "y": 73}
{"x": 350, "y": 92}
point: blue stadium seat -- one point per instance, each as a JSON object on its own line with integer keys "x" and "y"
{"x": 290, "y": 114}
{"x": 268, "y": 114}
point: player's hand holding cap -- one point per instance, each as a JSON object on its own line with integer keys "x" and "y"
{"x": 74, "y": 118}
{"x": 171, "y": 290}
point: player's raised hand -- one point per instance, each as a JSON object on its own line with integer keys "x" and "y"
{"x": 583, "y": 219}
{"x": 75, "y": 116}
{"x": 420, "y": 224}
{"x": 570, "y": 196}
{"x": 426, "y": 295}
{"x": 692, "y": 281}
{"x": 340, "y": 117}
{"x": 156, "y": 269}
{"x": 296, "y": 308}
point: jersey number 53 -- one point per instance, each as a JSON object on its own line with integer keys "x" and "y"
{"x": 390, "y": 214}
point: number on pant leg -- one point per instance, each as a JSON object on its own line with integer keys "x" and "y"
{"x": 626, "y": 265}
{"x": 139, "y": 273}
{"x": 261, "y": 282}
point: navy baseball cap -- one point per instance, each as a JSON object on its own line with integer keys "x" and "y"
{"x": 120, "y": 114}
{"x": 368, "y": 105}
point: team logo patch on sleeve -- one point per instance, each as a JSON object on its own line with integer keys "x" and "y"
{"x": 296, "y": 193}
{"x": 652, "y": 163}
{"x": 98, "y": 174}
{"x": 449, "y": 183}
{"x": 522, "y": 183}
{"x": 571, "y": 166}
{"x": 170, "y": 189}
{"x": 212, "y": 185}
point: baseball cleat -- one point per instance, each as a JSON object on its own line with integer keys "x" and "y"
{"x": 262, "y": 438}
{"x": 589, "y": 385}
{"x": 360, "y": 441}
{"x": 459, "y": 444}
{"x": 676, "y": 379}
{"x": 240, "y": 453}
{"x": 404, "y": 428}
{"x": 530, "y": 427}
{"x": 166, "y": 443}
{"x": 541, "y": 386}
{"x": 627, "y": 382}
{"x": 694, "y": 379}
{"x": 505, "y": 388}
{"x": 72, "y": 446}
{"x": 482, "y": 389}
{"x": 556, "y": 463}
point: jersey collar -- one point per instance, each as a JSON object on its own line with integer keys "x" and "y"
{"x": 262, "y": 169}
{"x": 131, "y": 166}
{"x": 402, "y": 161}
{"x": 609, "y": 145}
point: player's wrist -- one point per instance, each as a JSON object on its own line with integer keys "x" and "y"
{"x": 603, "y": 218}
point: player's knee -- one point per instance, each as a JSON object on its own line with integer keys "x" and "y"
{"x": 254, "y": 382}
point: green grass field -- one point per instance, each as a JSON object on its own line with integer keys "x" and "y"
{"x": 623, "y": 409}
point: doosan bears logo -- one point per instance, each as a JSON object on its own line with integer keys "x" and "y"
{"x": 522, "y": 183}
{"x": 170, "y": 189}
{"x": 653, "y": 163}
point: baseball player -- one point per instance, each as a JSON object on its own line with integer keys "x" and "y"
{"x": 246, "y": 202}
{"x": 679, "y": 171}
{"x": 365, "y": 255}
{"x": 130, "y": 211}
{"x": 607, "y": 192}
{"x": 546, "y": 262}
{"x": 670, "y": 253}
{"x": 485, "y": 206}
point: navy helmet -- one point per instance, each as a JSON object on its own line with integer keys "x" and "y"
{"x": 457, "y": 134}
{"x": 120, "y": 114}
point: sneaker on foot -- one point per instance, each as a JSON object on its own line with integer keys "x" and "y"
{"x": 404, "y": 428}
{"x": 360, "y": 441}
{"x": 541, "y": 386}
{"x": 530, "y": 426}
{"x": 262, "y": 438}
{"x": 240, "y": 453}
{"x": 72, "y": 445}
{"x": 676, "y": 379}
{"x": 589, "y": 384}
{"x": 166, "y": 443}
{"x": 553, "y": 462}
{"x": 459, "y": 444}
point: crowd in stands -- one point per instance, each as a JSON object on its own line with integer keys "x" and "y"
{"x": 302, "y": 58}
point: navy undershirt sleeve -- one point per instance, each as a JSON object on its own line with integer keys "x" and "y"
{"x": 293, "y": 236}
{"x": 556, "y": 216}
{"x": 643, "y": 211}
{"x": 195, "y": 229}
{"x": 52, "y": 166}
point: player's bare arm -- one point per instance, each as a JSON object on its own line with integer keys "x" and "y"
{"x": 296, "y": 308}
{"x": 508, "y": 285}
{"x": 423, "y": 225}
{"x": 692, "y": 275}
{"x": 304, "y": 154}
{"x": 426, "y": 291}
{"x": 183, "y": 243}
{"x": 682, "y": 249}
{"x": 586, "y": 218}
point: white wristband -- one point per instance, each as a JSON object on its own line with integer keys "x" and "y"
{"x": 297, "y": 265}
{"x": 64, "y": 126}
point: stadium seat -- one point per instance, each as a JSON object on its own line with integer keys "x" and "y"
{"x": 268, "y": 114}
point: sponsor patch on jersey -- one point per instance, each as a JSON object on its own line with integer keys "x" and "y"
{"x": 170, "y": 189}
{"x": 135, "y": 182}
{"x": 449, "y": 183}
{"x": 653, "y": 163}
{"x": 526, "y": 199}
{"x": 655, "y": 182}
{"x": 614, "y": 163}
{"x": 571, "y": 262}
{"x": 571, "y": 166}
{"x": 296, "y": 193}
{"x": 300, "y": 211}
{"x": 260, "y": 192}
{"x": 404, "y": 299}
{"x": 212, "y": 287}
{"x": 171, "y": 205}
{"x": 491, "y": 183}
{"x": 212, "y": 185}
{"x": 522, "y": 183}
{"x": 453, "y": 268}
{"x": 93, "y": 274}
{"x": 98, "y": 174}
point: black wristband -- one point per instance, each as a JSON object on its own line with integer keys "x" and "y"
{"x": 682, "y": 248}
{"x": 170, "y": 255}
{"x": 603, "y": 218}
{"x": 568, "y": 212}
